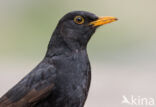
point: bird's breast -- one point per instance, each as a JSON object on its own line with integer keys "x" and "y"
{"x": 73, "y": 76}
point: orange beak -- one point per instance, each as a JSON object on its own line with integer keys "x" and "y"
{"x": 103, "y": 20}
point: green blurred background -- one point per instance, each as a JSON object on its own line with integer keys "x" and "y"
{"x": 122, "y": 54}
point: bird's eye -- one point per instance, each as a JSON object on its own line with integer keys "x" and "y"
{"x": 79, "y": 20}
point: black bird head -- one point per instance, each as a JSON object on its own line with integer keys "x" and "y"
{"x": 76, "y": 28}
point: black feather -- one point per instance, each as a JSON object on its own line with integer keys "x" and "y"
{"x": 62, "y": 78}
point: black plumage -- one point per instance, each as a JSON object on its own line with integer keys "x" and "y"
{"x": 62, "y": 78}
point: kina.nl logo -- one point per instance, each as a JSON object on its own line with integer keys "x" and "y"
{"x": 138, "y": 101}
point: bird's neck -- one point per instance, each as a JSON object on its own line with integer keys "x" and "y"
{"x": 59, "y": 46}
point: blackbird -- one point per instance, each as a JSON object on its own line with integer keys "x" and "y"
{"x": 62, "y": 78}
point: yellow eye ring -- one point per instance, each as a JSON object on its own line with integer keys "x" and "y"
{"x": 79, "y": 20}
